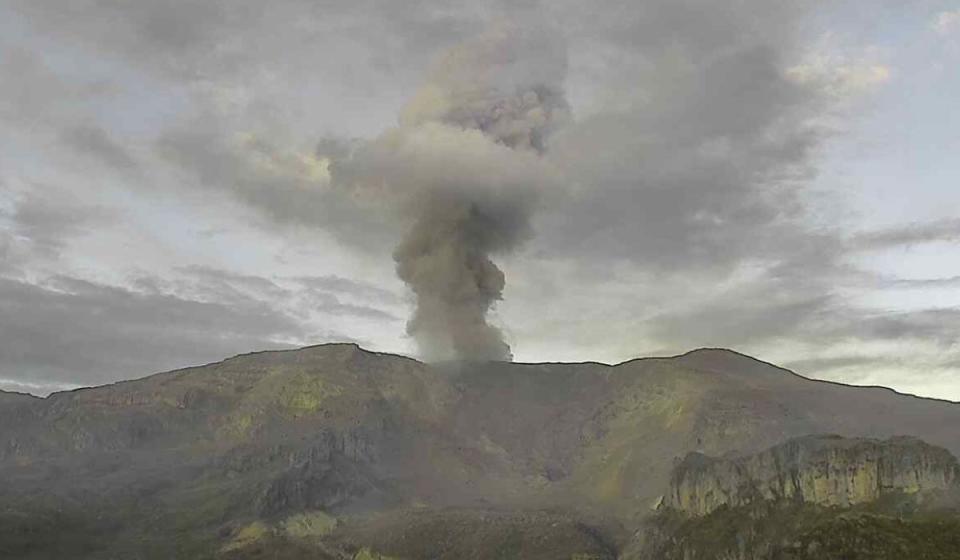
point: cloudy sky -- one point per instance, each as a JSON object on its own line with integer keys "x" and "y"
{"x": 773, "y": 176}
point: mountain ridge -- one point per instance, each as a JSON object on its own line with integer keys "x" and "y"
{"x": 688, "y": 354}
{"x": 215, "y": 452}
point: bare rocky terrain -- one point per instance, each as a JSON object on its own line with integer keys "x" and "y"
{"x": 336, "y": 452}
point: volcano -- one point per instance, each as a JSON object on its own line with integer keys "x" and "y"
{"x": 334, "y": 451}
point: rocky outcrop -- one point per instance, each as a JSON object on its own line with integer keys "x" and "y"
{"x": 323, "y": 476}
{"x": 822, "y": 470}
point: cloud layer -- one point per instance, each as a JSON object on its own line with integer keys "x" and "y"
{"x": 195, "y": 179}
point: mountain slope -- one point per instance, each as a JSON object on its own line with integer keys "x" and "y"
{"x": 208, "y": 452}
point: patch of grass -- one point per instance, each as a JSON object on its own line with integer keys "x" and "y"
{"x": 772, "y": 531}
{"x": 248, "y": 535}
{"x": 367, "y": 554}
{"x": 873, "y": 537}
{"x": 308, "y": 525}
{"x": 459, "y": 534}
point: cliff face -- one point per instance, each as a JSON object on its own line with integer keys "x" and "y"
{"x": 821, "y": 470}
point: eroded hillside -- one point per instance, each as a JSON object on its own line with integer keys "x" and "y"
{"x": 183, "y": 464}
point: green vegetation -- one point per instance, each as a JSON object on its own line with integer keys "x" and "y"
{"x": 308, "y": 525}
{"x": 367, "y": 554}
{"x": 782, "y": 531}
{"x": 306, "y": 393}
{"x": 478, "y": 534}
{"x": 248, "y": 535}
{"x": 873, "y": 537}
{"x": 233, "y": 461}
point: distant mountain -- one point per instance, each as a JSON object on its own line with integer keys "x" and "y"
{"x": 336, "y": 452}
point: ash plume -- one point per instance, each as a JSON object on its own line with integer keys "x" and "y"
{"x": 464, "y": 172}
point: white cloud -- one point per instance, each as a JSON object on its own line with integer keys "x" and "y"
{"x": 840, "y": 72}
{"x": 39, "y": 388}
{"x": 947, "y": 22}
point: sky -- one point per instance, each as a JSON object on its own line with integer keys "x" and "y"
{"x": 184, "y": 180}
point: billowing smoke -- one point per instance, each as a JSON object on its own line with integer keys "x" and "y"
{"x": 464, "y": 170}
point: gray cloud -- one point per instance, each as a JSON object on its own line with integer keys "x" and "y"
{"x": 326, "y": 302}
{"x": 952, "y": 363}
{"x": 35, "y": 95}
{"x": 760, "y": 313}
{"x": 692, "y": 141}
{"x": 212, "y": 283}
{"x": 95, "y": 142}
{"x": 937, "y": 325}
{"x": 314, "y": 295}
{"x": 7, "y": 255}
{"x": 29, "y": 87}
{"x": 745, "y": 316}
{"x": 163, "y": 33}
{"x": 916, "y": 351}
{"x": 349, "y": 287}
{"x": 705, "y": 130}
{"x": 706, "y": 148}
{"x": 46, "y": 218}
{"x": 913, "y": 234}
{"x": 935, "y": 376}
{"x": 283, "y": 185}
{"x": 947, "y": 282}
{"x": 706, "y": 136}
{"x": 299, "y": 297}
{"x": 169, "y": 33}
{"x": 73, "y": 331}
